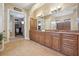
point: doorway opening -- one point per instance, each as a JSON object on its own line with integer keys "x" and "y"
{"x": 19, "y": 27}
{"x": 16, "y": 25}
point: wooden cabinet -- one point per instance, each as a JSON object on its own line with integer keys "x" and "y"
{"x": 69, "y": 44}
{"x": 68, "y": 50}
{"x": 64, "y": 42}
{"x": 56, "y": 41}
{"x": 36, "y": 36}
{"x": 33, "y": 24}
{"x": 41, "y": 37}
{"x": 48, "y": 41}
{"x": 30, "y": 35}
{"x": 33, "y": 35}
{"x": 78, "y": 45}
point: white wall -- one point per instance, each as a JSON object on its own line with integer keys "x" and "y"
{"x": 1, "y": 17}
{"x": 11, "y": 23}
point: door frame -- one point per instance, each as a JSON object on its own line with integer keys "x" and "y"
{"x": 8, "y": 19}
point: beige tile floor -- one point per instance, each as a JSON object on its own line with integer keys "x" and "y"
{"x": 20, "y": 47}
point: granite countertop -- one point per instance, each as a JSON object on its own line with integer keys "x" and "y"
{"x": 75, "y": 33}
{"x": 66, "y": 32}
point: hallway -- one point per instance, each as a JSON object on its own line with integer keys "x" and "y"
{"x": 20, "y": 47}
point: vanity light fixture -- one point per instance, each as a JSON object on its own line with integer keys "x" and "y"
{"x": 57, "y": 9}
{"x": 53, "y": 22}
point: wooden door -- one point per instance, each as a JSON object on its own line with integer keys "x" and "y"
{"x": 33, "y": 24}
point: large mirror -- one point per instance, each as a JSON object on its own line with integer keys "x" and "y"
{"x": 60, "y": 19}
{"x": 40, "y": 24}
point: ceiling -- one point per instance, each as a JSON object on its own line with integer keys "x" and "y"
{"x": 24, "y": 5}
{"x": 16, "y": 14}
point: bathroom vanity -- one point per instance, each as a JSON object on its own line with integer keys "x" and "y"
{"x": 61, "y": 41}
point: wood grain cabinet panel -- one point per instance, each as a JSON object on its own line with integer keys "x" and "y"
{"x": 38, "y": 37}
{"x": 56, "y": 41}
{"x": 68, "y": 50}
{"x": 32, "y": 36}
{"x": 33, "y": 24}
{"x": 42, "y": 38}
{"x": 48, "y": 41}
{"x": 66, "y": 43}
{"x": 69, "y": 44}
{"x": 78, "y": 45}
{"x": 69, "y": 36}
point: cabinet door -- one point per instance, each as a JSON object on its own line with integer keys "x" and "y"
{"x": 31, "y": 35}
{"x": 34, "y": 35}
{"x": 78, "y": 45}
{"x": 48, "y": 41}
{"x": 42, "y": 37}
{"x": 56, "y": 41}
{"x": 37, "y": 36}
{"x": 69, "y": 44}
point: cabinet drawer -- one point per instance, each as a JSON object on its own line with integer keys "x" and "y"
{"x": 69, "y": 36}
{"x": 69, "y": 42}
{"x": 69, "y": 50}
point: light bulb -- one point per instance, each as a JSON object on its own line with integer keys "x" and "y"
{"x": 58, "y": 6}
{"x": 22, "y": 22}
